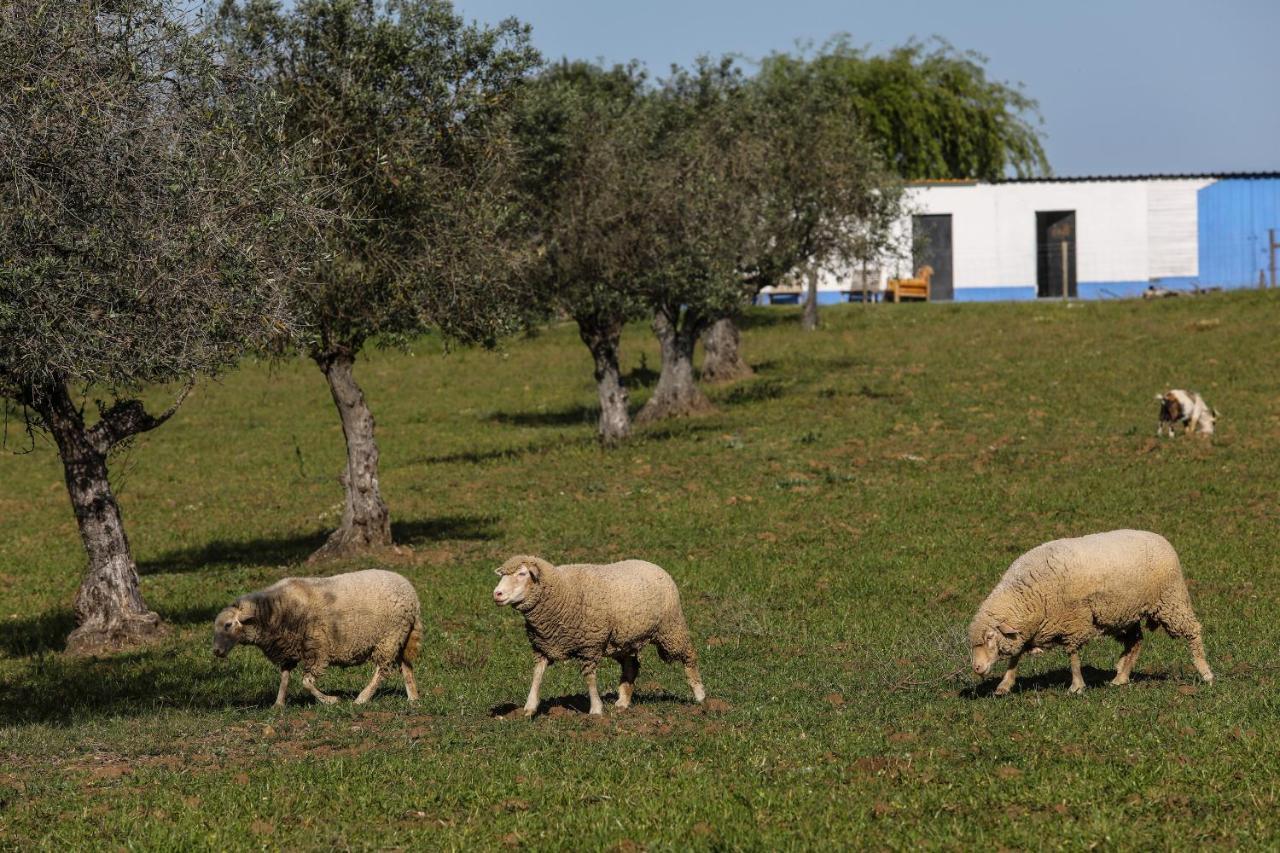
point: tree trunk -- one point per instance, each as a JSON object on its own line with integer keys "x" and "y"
{"x": 366, "y": 523}
{"x": 677, "y": 394}
{"x": 110, "y": 613}
{"x": 809, "y": 320}
{"x": 615, "y": 420}
{"x": 723, "y": 361}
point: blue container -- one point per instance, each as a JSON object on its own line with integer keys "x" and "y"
{"x": 1234, "y": 216}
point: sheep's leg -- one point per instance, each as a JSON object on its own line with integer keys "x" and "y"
{"x": 1180, "y": 625}
{"x": 539, "y": 669}
{"x": 410, "y": 686}
{"x": 367, "y": 693}
{"x": 284, "y": 687}
{"x": 1132, "y": 640}
{"x": 627, "y": 686}
{"x": 1197, "y": 657}
{"x": 1077, "y": 677}
{"x": 309, "y": 682}
{"x": 593, "y": 693}
{"x": 1010, "y": 676}
{"x": 695, "y": 681}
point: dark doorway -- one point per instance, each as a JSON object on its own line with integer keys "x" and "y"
{"x": 1056, "y": 253}
{"x": 932, "y": 246}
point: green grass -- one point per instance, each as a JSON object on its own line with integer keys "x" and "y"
{"x": 832, "y": 526}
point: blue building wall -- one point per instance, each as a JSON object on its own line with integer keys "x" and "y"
{"x": 1234, "y": 216}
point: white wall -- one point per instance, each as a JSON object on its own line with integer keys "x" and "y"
{"x": 1126, "y": 231}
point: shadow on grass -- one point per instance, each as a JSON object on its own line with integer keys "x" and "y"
{"x": 1059, "y": 679}
{"x": 579, "y": 703}
{"x": 48, "y": 631}
{"x": 295, "y": 549}
{"x": 572, "y": 416}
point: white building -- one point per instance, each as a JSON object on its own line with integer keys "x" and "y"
{"x": 1021, "y": 239}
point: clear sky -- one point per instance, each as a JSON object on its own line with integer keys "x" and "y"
{"x": 1125, "y": 86}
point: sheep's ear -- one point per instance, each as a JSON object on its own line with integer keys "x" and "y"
{"x": 246, "y": 618}
{"x": 1008, "y": 630}
{"x": 535, "y": 571}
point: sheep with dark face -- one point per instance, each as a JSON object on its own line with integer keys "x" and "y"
{"x": 315, "y": 623}
{"x": 587, "y": 612}
{"x": 1068, "y": 591}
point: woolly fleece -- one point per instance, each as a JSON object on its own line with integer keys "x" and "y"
{"x": 343, "y": 620}
{"x": 1068, "y": 591}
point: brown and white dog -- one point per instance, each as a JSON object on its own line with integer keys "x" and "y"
{"x": 1187, "y": 408}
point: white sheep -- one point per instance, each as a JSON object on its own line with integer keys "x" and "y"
{"x": 344, "y": 620}
{"x": 587, "y": 612}
{"x": 1068, "y": 591}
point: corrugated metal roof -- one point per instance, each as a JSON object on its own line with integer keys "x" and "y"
{"x": 1080, "y": 179}
{"x": 1191, "y": 176}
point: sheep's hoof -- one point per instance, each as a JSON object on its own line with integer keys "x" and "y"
{"x": 621, "y": 706}
{"x": 327, "y": 700}
{"x": 529, "y": 712}
{"x": 1001, "y": 691}
{"x": 1075, "y": 689}
{"x": 1118, "y": 682}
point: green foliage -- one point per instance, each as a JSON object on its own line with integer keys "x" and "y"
{"x": 405, "y": 107}
{"x": 582, "y": 133}
{"x": 830, "y": 545}
{"x": 825, "y": 194}
{"x": 149, "y": 216}
{"x": 934, "y": 113}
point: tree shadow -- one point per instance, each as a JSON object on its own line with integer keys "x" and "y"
{"x": 1058, "y": 679}
{"x": 641, "y": 376}
{"x": 471, "y": 528}
{"x": 472, "y": 457}
{"x": 47, "y": 632}
{"x": 572, "y": 416}
{"x": 768, "y": 316}
{"x": 288, "y": 550}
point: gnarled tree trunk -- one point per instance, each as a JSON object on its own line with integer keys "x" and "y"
{"x": 809, "y": 320}
{"x": 615, "y": 420}
{"x": 366, "y": 523}
{"x": 110, "y": 613}
{"x": 723, "y": 360}
{"x": 677, "y": 393}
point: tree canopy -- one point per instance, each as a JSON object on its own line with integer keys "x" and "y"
{"x": 934, "y": 112}
{"x": 150, "y": 223}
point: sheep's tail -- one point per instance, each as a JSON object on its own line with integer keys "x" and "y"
{"x": 413, "y": 642}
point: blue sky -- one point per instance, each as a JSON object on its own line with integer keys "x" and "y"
{"x": 1125, "y": 86}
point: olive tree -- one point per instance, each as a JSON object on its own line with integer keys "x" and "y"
{"x": 583, "y": 131}
{"x": 148, "y": 224}
{"x": 407, "y": 106}
{"x": 702, "y": 201}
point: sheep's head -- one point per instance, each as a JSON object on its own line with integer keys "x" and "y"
{"x": 228, "y": 628}
{"x": 988, "y": 643}
{"x": 520, "y": 578}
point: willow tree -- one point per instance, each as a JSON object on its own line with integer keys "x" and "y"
{"x": 703, "y": 201}
{"x": 407, "y": 106}
{"x": 934, "y": 113}
{"x": 148, "y": 222}
{"x": 583, "y": 131}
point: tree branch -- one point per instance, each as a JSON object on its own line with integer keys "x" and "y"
{"x": 127, "y": 418}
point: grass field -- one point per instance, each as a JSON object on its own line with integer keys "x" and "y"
{"x": 832, "y": 526}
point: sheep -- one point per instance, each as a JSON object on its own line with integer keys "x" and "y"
{"x": 344, "y": 620}
{"x": 587, "y": 612}
{"x": 1068, "y": 591}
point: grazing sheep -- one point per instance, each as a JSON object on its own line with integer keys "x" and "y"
{"x": 588, "y": 612}
{"x": 1187, "y": 408}
{"x": 1068, "y": 591}
{"x": 344, "y": 620}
